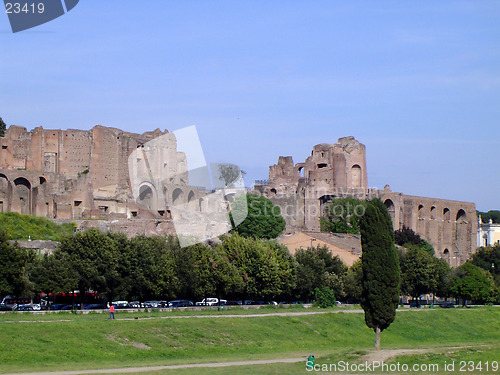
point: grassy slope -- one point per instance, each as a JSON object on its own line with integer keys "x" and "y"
{"x": 19, "y": 227}
{"x": 94, "y": 342}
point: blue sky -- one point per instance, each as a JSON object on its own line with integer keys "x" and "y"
{"x": 417, "y": 82}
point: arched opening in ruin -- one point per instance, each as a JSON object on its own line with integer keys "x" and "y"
{"x": 433, "y": 212}
{"x": 461, "y": 215}
{"x": 146, "y": 196}
{"x": 191, "y": 201}
{"x": 23, "y": 192}
{"x": 420, "y": 210}
{"x": 322, "y": 165}
{"x": 272, "y": 192}
{"x": 446, "y": 214}
{"x": 177, "y": 196}
{"x": 391, "y": 208}
{"x": 4, "y": 193}
{"x": 356, "y": 176}
{"x": 301, "y": 172}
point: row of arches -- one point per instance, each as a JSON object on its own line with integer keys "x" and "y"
{"x": 194, "y": 198}
{"x": 432, "y": 212}
{"x": 19, "y": 194}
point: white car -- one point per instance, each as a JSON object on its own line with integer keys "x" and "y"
{"x": 211, "y": 302}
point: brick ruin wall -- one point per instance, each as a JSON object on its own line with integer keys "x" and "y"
{"x": 338, "y": 171}
{"x": 80, "y": 175}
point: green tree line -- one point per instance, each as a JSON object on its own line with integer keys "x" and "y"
{"x": 149, "y": 267}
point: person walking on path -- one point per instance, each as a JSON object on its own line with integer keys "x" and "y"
{"x": 111, "y": 312}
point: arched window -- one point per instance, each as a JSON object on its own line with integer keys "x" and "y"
{"x": 357, "y": 178}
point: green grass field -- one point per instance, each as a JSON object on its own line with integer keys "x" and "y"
{"x": 68, "y": 341}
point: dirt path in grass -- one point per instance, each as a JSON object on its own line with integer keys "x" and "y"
{"x": 129, "y": 316}
{"x": 130, "y": 370}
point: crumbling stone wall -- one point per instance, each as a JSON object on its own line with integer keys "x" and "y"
{"x": 339, "y": 170}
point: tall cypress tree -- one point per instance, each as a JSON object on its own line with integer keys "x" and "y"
{"x": 381, "y": 273}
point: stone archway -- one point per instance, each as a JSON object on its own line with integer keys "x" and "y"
{"x": 147, "y": 196}
{"x": 391, "y": 208}
{"x": 357, "y": 176}
{"x": 5, "y": 193}
{"x": 23, "y": 195}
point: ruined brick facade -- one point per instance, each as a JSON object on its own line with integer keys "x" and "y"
{"x": 339, "y": 170}
{"x": 84, "y": 175}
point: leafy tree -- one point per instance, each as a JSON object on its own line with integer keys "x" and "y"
{"x": 317, "y": 268}
{"x": 93, "y": 255}
{"x": 263, "y": 219}
{"x": 14, "y": 278}
{"x": 342, "y": 215}
{"x": 488, "y": 258}
{"x": 406, "y": 236}
{"x": 266, "y": 268}
{"x": 417, "y": 272}
{"x": 324, "y": 297}
{"x": 494, "y": 215}
{"x": 51, "y": 274}
{"x": 3, "y": 127}
{"x": 150, "y": 274}
{"x": 470, "y": 282}
{"x": 441, "y": 278}
{"x": 353, "y": 282}
{"x": 381, "y": 273}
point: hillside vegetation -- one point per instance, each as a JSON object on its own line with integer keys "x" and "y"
{"x": 20, "y": 227}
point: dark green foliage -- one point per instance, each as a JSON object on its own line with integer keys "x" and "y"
{"x": 266, "y": 268}
{"x": 324, "y": 297}
{"x": 19, "y": 227}
{"x": 263, "y": 219}
{"x": 488, "y": 258}
{"x": 406, "y": 236}
{"x": 353, "y": 284}
{"x": 14, "y": 261}
{"x": 94, "y": 256}
{"x": 417, "y": 272}
{"x": 3, "y": 127}
{"x": 52, "y": 274}
{"x": 441, "y": 278}
{"x": 342, "y": 215}
{"x": 494, "y": 215}
{"x": 149, "y": 268}
{"x": 318, "y": 268}
{"x": 381, "y": 272}
{"x": 470, "y": 282}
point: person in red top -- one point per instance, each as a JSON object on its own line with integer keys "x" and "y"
{"x": 111, "y": 312}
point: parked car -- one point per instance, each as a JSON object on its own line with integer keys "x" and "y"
{"x": 24, "y": 308}
{"x": 151, "y": 304}
{"x": 4, "y": 307}
{"x": 211, "y": 302}
{"x": 120, "y": 304}
{"x": 180, "y": 303}
{"x": 254, "y": 302}
{"x": 94, "y": 306}
{"x": 134, "y": 305}
{"x": 233, "y": 303}
{"x": 447, "y": 305}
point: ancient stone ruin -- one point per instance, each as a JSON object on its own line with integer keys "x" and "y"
{"x": 84, "y": 176}
{"x": 339, "y": 170}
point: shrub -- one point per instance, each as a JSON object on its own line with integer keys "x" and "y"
{"x": 324, "y": 297}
